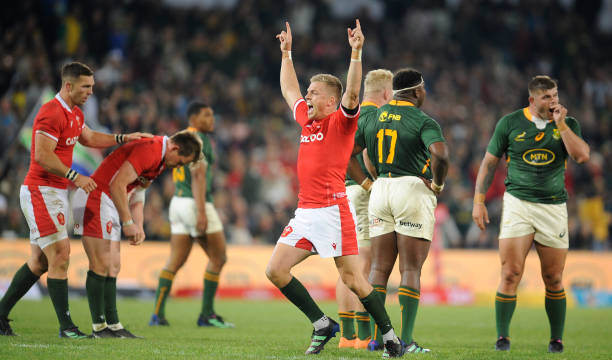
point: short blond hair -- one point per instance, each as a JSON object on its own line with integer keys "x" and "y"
{"x": 377, "y": 80}
{"x": 332, "y": 82}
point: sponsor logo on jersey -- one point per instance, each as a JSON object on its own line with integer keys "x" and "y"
{"x": 61, "y": 219}
{"x": 288, "y": 230}
{"x": 520, "y": 137}
{"x": 109, "y": 226}
{"x": 385, "y": 116}
{"x": 72, "y": 140}
{"x": 410, "y": 224}
{"x": 556, "y": 134}
{"x": 538, "y": 157}
{"x": 311, "y": 138}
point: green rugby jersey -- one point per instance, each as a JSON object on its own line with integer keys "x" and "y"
{"x": 398, "y": 143}
{"x": 366, "y": 114}
{"x": 536, "y": 157}
{"x": 182, "y": 176}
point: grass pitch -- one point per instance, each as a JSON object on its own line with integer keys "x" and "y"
{"x": 276, "y": 330}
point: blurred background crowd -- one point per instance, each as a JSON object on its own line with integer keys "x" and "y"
{"x": 151, "y": 58}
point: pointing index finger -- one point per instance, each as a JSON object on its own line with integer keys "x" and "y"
{"x": 288, "y": 27}
{"x": 357, "y": 24}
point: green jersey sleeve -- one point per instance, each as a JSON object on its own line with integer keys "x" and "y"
{"x": 431, "y": 132}
{"x": 499, "y": 140}
{"x": 574, "y": 125}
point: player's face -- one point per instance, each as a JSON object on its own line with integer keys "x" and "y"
{"x": 80, "y": 89}
{"x": 173, "y": 159}
{"x": 319, "y": 99}
{"x": 204, "y": 121}
{"x": 543, "y": 101}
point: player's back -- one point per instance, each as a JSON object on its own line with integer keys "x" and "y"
{"x": 63, "y": 125}
{"x": 145, "y": 155}
{"x": 398, "y": 143}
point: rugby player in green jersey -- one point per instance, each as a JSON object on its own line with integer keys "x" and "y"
{"x": 411, "y": 159}
{"x": 377, "y": 91}
{"x": 193, "y": 217}
{"x": 536, "y": 141}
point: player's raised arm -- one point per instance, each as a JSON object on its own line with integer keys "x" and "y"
{"x": 577, "y": 148}
{"x": 290, "y": 87}
{"x": 350, "y": 99}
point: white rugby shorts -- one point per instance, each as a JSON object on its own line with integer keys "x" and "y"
{"x": 183, "y": 217}
{"x": 328, "y": 231}
{"x": 45, "y": 209}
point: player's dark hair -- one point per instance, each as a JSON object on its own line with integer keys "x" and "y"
{"x": 195, "y": 107}
{"x": 406, "y": 78}
{"x": 74, "y": 70}
{"x": 189, "y": 143}
{"x": 541, "y": 83}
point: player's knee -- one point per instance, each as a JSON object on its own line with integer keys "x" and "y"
{"x": 38, "y": 264}
{"x": 552, "y": 280}
{"x": 511, "y": 274}
{"x": 218, "y": 262}
{"x": 275, "y": 274}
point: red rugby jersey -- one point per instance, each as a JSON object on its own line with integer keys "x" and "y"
{"x": 64, "y": 125}
{"x": 325, "y": 149}
{"x": 146, "y": 156}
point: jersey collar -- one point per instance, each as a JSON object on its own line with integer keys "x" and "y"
{"x": 369, "y": 103}
{"x": 400, "y": 103}
{"x": 192, "y": 129}
{"x": 164, "y": 146}
{"x": 63, "y": 103}
{"x": 531, "y": 117}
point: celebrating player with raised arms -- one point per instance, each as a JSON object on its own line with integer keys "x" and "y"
{"x": 324, "y": 222}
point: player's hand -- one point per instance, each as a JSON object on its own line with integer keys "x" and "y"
{"x": 355, "y": 36}
{"x": 85, "y": 182}
{"x": 201, "y": 223}
{"x": 144, "y": 182}
{"x": 559, "y": 112}
{"x": 136, "y": 136}
{"x": 480, "y": 215}
{"x": 285, "y": 38}
{"x": 134, "y": 233}
{"x": 428, "y": 184}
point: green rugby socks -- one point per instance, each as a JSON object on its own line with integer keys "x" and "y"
{"x": 23, "y": 280}
{"x": 299, "y": 296}
{"x": 504, "y": 308}
{"x": 211, "y": 282}
{"x": 163, "y": 290}
{"x": 409, "y": 304}
{"x": 555, "y": 304}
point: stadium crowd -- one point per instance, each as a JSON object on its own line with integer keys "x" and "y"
{"x": 151, "y": 58}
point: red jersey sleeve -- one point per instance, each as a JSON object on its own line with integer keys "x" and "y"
{"x": 300, "y": 112}
{"x": 347, "y": 122}
{"x": 50, "y": 123}
{"x": 144, "y": 157}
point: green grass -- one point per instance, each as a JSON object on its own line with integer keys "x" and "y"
{"x": 276, "y": 330}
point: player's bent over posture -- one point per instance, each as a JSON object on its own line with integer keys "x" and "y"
{"x": 58, "y": 125}
{"x": 101, "y": 215}
{"x": 536, "y": 141}
{"x": 324, "y": 222}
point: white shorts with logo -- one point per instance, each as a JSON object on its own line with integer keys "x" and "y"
{"x": 404, "y": 205}
{"x": 45, "y": 209}
{"x": 328, "y": 231}
{"x": 547, "y": 221}
{"x": 95, "y": 215}
{"x": 183, "y": 217}
{"x": 360, "y": 198}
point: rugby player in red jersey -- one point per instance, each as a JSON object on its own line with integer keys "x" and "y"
{"x": 117, "y": 203}
{"x": 58, "y": 125}
{"x": 324, "y": 222}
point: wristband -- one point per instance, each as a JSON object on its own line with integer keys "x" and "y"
{"x": 479, "y": 199}
{"x": 287, "y": 54}
{"x": 127, "y": 223}
{"x": 71, "y": 175}
{"x": 436, "y": 188}
{"x": 356, "y": 55}
{"x": 119, "y": 138}
{"x": 366, "y": 184}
